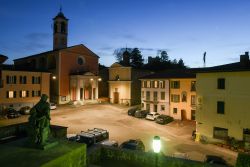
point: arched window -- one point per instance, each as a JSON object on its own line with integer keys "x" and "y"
{"x": 80, "y": 60}
{"x": 55, "y": 28}
{"x": 63, "y": 27}
{"x": 184, "y": 96}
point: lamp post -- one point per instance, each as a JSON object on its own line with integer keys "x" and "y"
{"x": 156, "y": 148}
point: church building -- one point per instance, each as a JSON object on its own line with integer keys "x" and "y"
{"x": 74, "y": 69}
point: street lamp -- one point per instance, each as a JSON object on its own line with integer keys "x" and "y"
{"x": 54, "y": 77}
{"x": 156, "y": 148}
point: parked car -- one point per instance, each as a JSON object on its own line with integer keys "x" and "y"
{"x": 110, "y": 143}
{"x": 141, "y": 113}
{"x": 133, "y": 145}
{"x": 152, "y": 116}
{"x": 132, "y": 111}
{"x": 12, "y": 113}
{"x": 212, "y": 159}
{"x": 90, "y": 137}
{"x": 25, "y": 110}
{"x": 52, "y": 106}
{"x": 164, "y": 119}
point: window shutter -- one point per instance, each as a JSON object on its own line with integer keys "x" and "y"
{"x": 33, "y": 80}
{"x": 25, "y": 79}
{"x": 14, "y": 79}
{"x": 14, "y": 94}
{"x": 20, "y": 95}
{"x": 7, "y": 94}
{"x": 39, "y": 93}
{"x": 7, "y": 79}
{"x": 39, "y": 80}
{"x": 27, "y": 93}
{"x": 163, "y": 84}
{"x": 32, "y": 93}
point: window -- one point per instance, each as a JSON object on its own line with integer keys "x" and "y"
{"x": 80, "y": 60}
{"x": 184, "y": 96}
{"x": 36, "y": 80}
{"x": 220, "y": 133}
{"x": 162, "y": 107}
{"x": 174, "y": 110}
{"x": 63, "y": 98}
{"x": 175, "y": 84}
{"x": 246, "y": 135}
{"x": 36, "y": 93}
{"x": 162, "y": 84}
{"x": 156, "y": 84}
{"x": 22, "y": 80}
{"x": 23, "y": 93}
{"x": 148, "y": 84}
{"x": 117, "y": 78}
{"x": 175, "y": 98}
{"x": 193, "y": 100}
{"x": 142, "y": 105}
{"x": 11, "y": 94}
{"x": 162, "y": 95}
{"x": 63, "y": 27}
{"x": 221, "y": 83}
{"x": 144, "y": 84}
{"x": 11, "y": 79}
{"x": 220, "y": 107}
{"x": 142, "y": 94}
{"x": 147, "y": 95}
{"x": 193, "y": 85}
{"x": 155, "y": 96}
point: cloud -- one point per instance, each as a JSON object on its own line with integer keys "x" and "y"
{"x": 107, "y": 48}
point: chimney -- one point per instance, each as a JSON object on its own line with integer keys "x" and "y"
{"x": 244, "y": 59}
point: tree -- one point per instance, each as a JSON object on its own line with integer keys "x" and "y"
{"x": 119, "y": 53}
{"x": 164, "y": 56}
{"x": 181, "y": 63}
{"x": 136, "y": 58}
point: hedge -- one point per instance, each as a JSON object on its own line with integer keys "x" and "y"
{"x": 243, "y": 160}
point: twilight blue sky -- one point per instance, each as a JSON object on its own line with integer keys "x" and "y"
{"x": 185, "y": 28}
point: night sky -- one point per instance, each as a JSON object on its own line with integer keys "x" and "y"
{"x": 185, "y": 28}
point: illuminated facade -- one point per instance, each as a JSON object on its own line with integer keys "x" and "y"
{"x": 171, "y": 93}
{"x": 223, "y": 96}
{"x": 74, "y": 69}
{"x": 22, "y": 88}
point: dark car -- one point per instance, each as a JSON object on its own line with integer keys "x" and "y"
{"x": 164, "y": 119}
{"x": 132, "y": 111}
{"x": 12, "y": 113}
{"x": 25, "y": 110}
{"x": 91, "y": 137}
{"x": 141, "y": 113}
{"x": 212, "y": 159}
{"x": 133, "y": 145}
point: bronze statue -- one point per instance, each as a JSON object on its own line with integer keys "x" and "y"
{"x": 39, "y": 122}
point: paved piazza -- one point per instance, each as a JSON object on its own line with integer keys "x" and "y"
{"x": 176, "y": 136}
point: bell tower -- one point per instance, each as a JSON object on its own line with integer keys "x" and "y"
{"x": 60, "y": 31}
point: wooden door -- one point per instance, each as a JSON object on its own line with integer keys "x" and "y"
{"x": 116, "y": 97}
{"x": 183, "y": 115}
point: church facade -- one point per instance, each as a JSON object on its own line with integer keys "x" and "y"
{"x": 74, "y": 69}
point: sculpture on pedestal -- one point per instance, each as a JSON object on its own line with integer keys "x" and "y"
{"x": 39, "y": 123}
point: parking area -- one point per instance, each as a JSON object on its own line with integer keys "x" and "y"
{"x": 175, "y": 136}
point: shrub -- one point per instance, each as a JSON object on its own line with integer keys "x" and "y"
{"x": 243, "y": 160}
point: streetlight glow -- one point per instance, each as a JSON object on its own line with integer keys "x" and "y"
{"x": 99, "y": 79}
{"x": 54, "y": 77}
{"x": 157, "y": 144}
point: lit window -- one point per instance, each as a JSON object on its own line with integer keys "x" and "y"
{"x": 11, "y": 94}
{"x": 148, "y": 84}
{"x": 162, "y": 84}
{"x": 155, "y": 84}
{"x": 23, "y": 93}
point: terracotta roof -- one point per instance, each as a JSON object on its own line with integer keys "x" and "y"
{"x": 51, "y": 51}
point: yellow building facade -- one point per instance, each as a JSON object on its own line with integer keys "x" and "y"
{"x": 223, "y": 96}
{"x": 235, "y": 98}
{"x": 183, "y": 98}
{"x": 22, "y": 88}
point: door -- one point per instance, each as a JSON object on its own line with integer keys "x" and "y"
{"x": 81, "y": 93}
{"x": 155, "y": 108}
{"x": 86, "y": 94}
{"x": 192, "y": 114}
{"x": 183, "y": 115}
{"x": 116, "y": 97}
{"x": 94, "y": 95}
